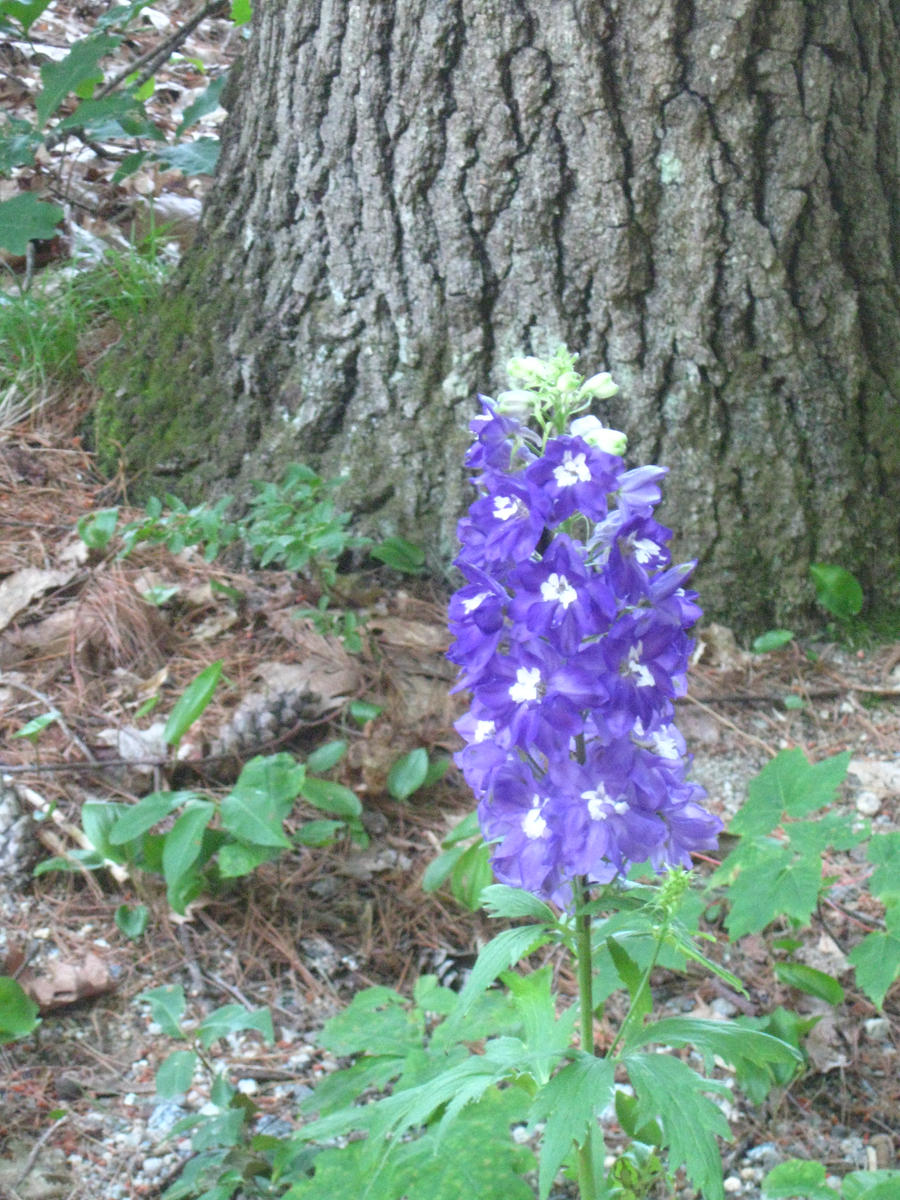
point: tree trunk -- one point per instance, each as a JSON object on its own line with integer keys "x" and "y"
{"x": 696, "y": 194}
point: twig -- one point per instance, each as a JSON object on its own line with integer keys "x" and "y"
{"x": 731, "y": 725}
{"x": 38, "y": 1146}
{"x": 148, "y": 62}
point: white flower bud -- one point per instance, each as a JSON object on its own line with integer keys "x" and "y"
{"x": 529, "y": 369}
{"x": 595, "y": 433}
{"x": 600, "y": 386}
{"x": 516, "y": 403}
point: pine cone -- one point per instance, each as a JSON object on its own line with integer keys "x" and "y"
{"x": 263, "y": 718}
{"x": 18, "y": 841}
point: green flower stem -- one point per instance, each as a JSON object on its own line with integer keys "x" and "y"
{"x": 587, "y": 1185}
{"x": 642, "y": 988}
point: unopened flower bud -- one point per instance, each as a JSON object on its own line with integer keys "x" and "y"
{"x": 600, "y": 386}
{"x": 595, "y": 433}
{"x": 516, "y": 403}
{"x": 528, "y": 369}
{"x": 567, "y": 381}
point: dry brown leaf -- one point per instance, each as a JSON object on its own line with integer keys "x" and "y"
{"x": 64, "y": 983}
{"x": 19, "y": 589}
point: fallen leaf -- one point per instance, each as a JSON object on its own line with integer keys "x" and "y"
{"x": 64, "y": 983}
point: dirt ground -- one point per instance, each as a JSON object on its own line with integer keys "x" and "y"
{"x": 302, "y": 935}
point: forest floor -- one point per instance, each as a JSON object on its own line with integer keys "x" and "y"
{"x": 79, "y": 1118}
{"x": 302, "y": 935}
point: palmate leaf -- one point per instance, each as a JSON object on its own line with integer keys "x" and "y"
{"x": 25, "y": 217}
{"x": 772, "y": 881}
{"x": 877, "y": 957}
{"x": 670, "y": 1092}
{"x": 476, "y": 1158}
{"x": 789, "y": 786}
{"x": 570, "y": 1103}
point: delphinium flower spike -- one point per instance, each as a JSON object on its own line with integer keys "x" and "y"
{"x": 571, "y": 633}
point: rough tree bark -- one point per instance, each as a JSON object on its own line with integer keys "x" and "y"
{"x": 699, "y": 195}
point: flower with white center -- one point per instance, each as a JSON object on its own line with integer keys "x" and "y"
{"x": 557, "y": 587}
{"x": 573, "y": 469}
{"x": 474, "y": 602}
{"x": 644, "y": 550}
{"x": 527, "y": 686}
{"x": 484, "y": 730}
{"x": 634, "y": 667}
{"x": 664, "y": 744}
{"x": 597, "y": 799}
{"x": 533, "y": 824}
{"x": 505, "y": 507}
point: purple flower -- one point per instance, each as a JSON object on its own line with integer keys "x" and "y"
{"x": 560, "y": 598}
{"x": 574, "y": 651}
{"x": 504, "y": 526}
{"x": 576, "y": 477}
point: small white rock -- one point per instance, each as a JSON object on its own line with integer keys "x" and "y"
{"x": 247, "y": 1087}
{"x": 868, "y": 804}
{"x": 733, "y": 1185}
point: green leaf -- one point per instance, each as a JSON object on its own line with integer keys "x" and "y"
{"x": 184, "y": 841}
{"x": 323, "y": 758}
{"x": 837, "y": 590}
{"x": 670, "y": 1092}
{"x": 331, "y": 797}
{"x": 36, "y": 726}
{"x": 789, "y": 785}
{"x": 570, "y": 1104}
{"x": 773, "y": 639}
{"x": 476, "y": 1159}
{"x": 192, "y": 703}
{"x": 726, "y": 1039}
{"x": 376, "y": 1020}
{"x": 797, "y": 1178}
{"x": 363, "y": 712}
{"x": 205, "y": 104}
{"x": 408, "y": 774}
{"x": 26, "y": 12}
{"x": 132, "y": 921}
{"x": 777, "y": 884}
{"x": 318, "y": 833}
{"x": 877, "y": 958}
{"x": 500, "y": 900}
{"x": 176, "y": 1073}
{"x": 872, "y": 1185}
{"x": 96, "y": 529}
{"x": 24, "y": 218}
{"x": 502, "y": 952}
{"x": 191, "y": 158}
{"x": 235, "y": 859}
{"x": 233, "y": 1017}
{"x": 167, "y": 1007}
{"x": 256, "y": 818}
{"x": 276, "y": 776}
{"x": 884, "y": 853}
{"x": 634, "y": 979}
{"x": 812, "y": 982}
{"x": 145, "y": 814}
{"x": 77, "y": 72}
{"x": 97, "y": 819}
{"x": 401, "y": 555}
{"x": 241, "y": 11}
{"x": 18, "y": 1012}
